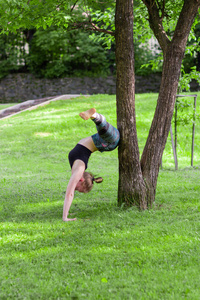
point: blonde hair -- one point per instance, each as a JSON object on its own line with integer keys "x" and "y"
{"x": 89, "y": 180}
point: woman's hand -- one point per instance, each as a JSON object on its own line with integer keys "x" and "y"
{"x": 67, "y": 219}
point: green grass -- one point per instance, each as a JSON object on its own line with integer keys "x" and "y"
{"x": 3, "y": 106}
{"x": 109, "y": 252}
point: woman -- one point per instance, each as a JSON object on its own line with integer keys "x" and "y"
{"x": 106, "y": 139}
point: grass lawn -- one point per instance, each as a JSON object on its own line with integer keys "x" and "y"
{"x": 109, "y": 252}
{"x": 3, "y": 106}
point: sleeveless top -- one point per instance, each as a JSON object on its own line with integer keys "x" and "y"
{"x": 79, "y": 152}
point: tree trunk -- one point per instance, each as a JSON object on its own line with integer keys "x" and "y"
{"x": 137, "y": 181}
{"x": 173, "y": 52}
{"x": 131, "y": 188}
{"x": 158, "y": 134}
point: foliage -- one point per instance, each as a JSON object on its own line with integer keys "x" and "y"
{"x": 186, "y": 78}
{"x": 86, "y": 14}
{"x": 12, "y": 53}
{"x": 80, "y": 56}
{"x": 192, "y": 50}
{"x": 55, "y": 53}
{"x": 106, "y": 21}
{"x": 190, "y": 68}
{"x": 189, "y": 63}
{"x": 34, "y": 13}
{"x": 143, "y": 55}
{"x": 109, "y": 252}
{"x": 154, "y": 64}
{"x": 185, "y": 112}
{"x": 37, "y": 13}
{"x": 142, "y": 33}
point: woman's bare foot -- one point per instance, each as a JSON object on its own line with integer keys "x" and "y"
{"x": 85, "y": 115}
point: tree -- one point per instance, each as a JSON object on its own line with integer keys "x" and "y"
{"x": 131, "y": 187}
{"x": 173, "y": 53}
{"x": 137, "y": 178}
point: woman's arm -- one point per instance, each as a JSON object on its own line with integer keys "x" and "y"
{"x": 67, "y": 204}
{"x": 77, "y": 173}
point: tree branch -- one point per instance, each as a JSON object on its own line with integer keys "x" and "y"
{"x": 155, "y": 22}
{"x": 102, "y": 30}
{"x": 184, "y": 24}
{"x": 163, "y": 11}
{"x": 74, "y": 5}
{"x": 91, "y": 26}
{"x": 146, "y": 2}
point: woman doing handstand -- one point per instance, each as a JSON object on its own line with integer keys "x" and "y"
{"x": 106, "y": 139}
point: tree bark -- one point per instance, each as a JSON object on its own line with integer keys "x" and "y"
{"x": 158, "y": 134}
{"x": 131, "y": 187}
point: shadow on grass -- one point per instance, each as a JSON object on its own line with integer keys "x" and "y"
{"x": 52, "y": 211}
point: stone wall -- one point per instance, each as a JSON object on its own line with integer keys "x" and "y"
{"x": 22, "y": 87}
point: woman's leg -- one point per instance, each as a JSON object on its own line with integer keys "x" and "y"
{"x": 106, "y": 131}
{"x": 108, "y": 136}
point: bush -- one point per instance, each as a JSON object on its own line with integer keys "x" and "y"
{"x": 11, "y": 53}
{"x": 54, "y": 53}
